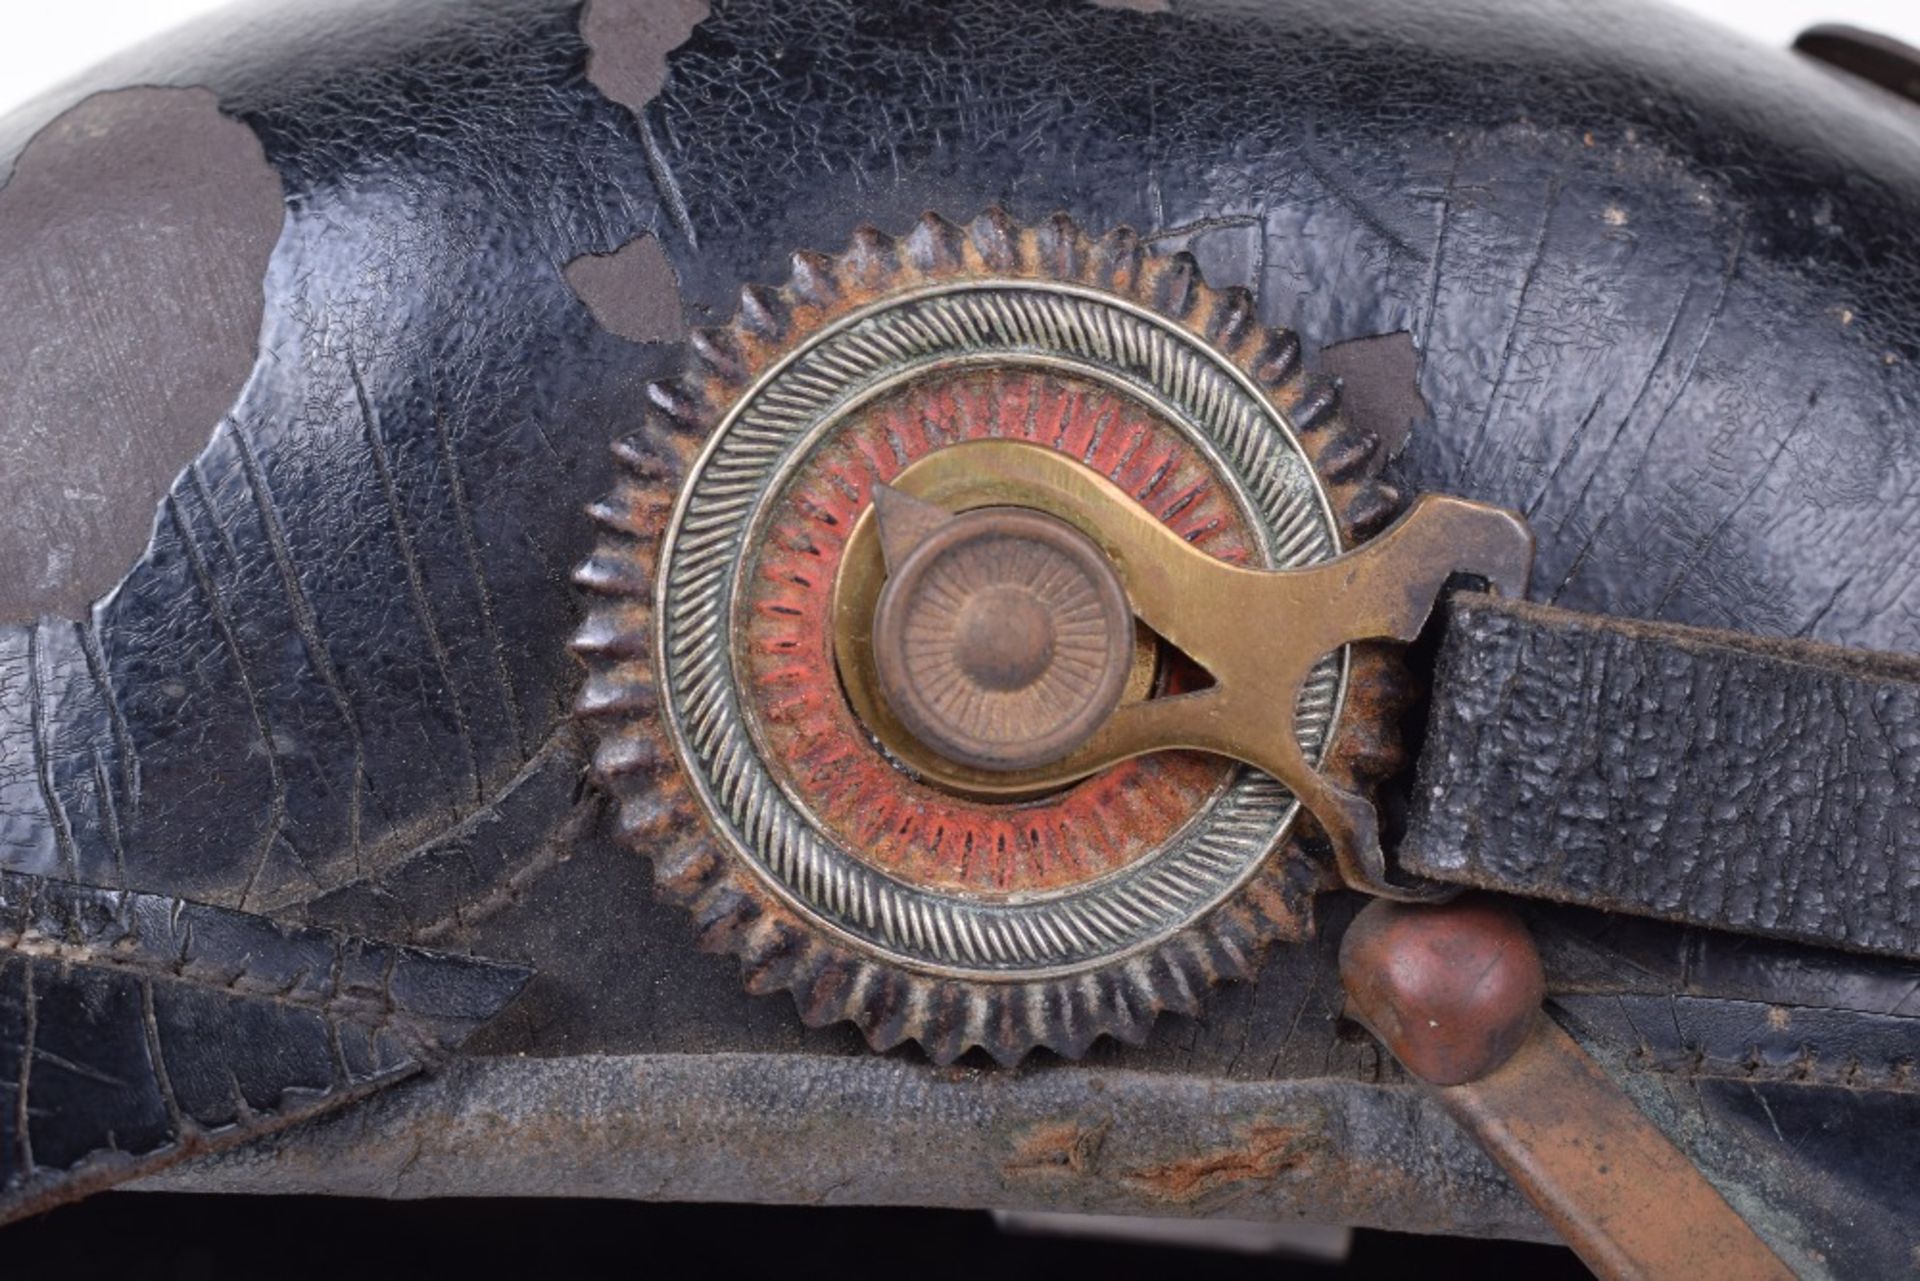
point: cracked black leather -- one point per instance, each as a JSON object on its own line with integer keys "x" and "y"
{"x": 1662, "y": 284}
{"x": 135, "y": 1029}
{"x": 1713, "y": 778}
{"x": 1765, "y": 1060}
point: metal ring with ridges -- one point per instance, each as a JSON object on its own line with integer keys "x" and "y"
{"x": 767, "y": 804}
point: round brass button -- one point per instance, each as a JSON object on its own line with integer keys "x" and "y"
{"x": 1003, "y": 638}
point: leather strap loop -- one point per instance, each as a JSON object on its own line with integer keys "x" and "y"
{"x": 1713, "y": 778}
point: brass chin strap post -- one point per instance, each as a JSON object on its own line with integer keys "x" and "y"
{"x": 912, "y": 655}
{"x": 1454, "y": 991}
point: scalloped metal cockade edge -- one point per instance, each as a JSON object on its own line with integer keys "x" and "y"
{"x": 659, "y": 815}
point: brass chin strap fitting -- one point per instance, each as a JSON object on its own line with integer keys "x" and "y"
{"x": 998, "y": 657}
{"x": 1454, "y": 991}
{"x": 985, "y": 627}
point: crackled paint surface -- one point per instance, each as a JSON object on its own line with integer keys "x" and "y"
{"x": 1677, "y": 328}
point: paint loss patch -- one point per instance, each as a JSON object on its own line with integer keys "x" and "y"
{"x": 135, "y": 233}
{"x": 628, "y": 42}
{"x": 632, "y": 291}
{"x": 1380, "y": 390}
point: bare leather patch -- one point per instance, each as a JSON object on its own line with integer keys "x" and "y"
{"x": 1380, "y": 390}
{"x": 632, "y": 291}
{"x": 628, "y": 42}
{"x": 135, "y": 233}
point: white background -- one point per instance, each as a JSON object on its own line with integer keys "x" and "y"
{"x": 43, "y": 42}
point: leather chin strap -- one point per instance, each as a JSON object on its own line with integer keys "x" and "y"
{"x": 1707, "y": 777}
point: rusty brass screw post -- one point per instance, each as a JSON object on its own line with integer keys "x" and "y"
{"x": 1455, "y": 991}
